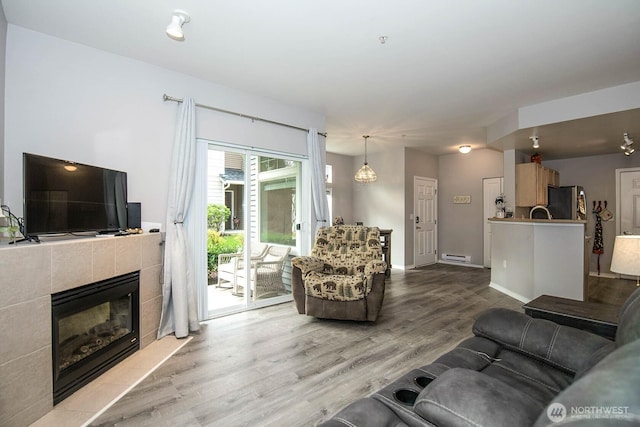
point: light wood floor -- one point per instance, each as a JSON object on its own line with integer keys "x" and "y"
{"x": 274, "y": 367}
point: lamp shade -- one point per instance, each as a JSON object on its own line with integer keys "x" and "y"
{"x": 626, "y": 255}
{"x": 365, "y": 174}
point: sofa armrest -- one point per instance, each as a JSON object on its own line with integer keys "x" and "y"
{"x": 564, "y": 347}
{"x": 307, "y": 264}
{"x": 375, "y": 267}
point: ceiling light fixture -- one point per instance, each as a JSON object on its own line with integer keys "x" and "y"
{"x": 536, "y": 141}
{"x": 178, "y": 19}
{"x": 464, "y": 149}
{"x": 626, "y": 146}
{"x": 365, "y": 173}
{"x": 383, "y": 39}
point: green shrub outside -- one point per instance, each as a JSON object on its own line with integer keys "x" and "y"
{"x": 217, "y": 215}
{"x": 221, "y": 244}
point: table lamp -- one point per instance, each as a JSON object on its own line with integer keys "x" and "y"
{"x": 626, "y": 256}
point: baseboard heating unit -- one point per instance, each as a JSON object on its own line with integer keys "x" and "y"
{"x": 465, "y": 259}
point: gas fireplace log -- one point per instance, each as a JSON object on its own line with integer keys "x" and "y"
{"x": 107, "y": 328}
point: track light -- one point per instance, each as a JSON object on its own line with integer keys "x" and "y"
{"x": 536, "y": 142}
{"x": 626, "y": 146}
{"x": 178, "y": 19}
{"x": 464, "y": 149}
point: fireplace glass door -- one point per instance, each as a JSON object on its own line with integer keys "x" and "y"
{"x": 94, "y": 327}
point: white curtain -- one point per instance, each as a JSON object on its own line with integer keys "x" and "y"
{"x": 317, "y": 160}
{"x": 179, "y": 309}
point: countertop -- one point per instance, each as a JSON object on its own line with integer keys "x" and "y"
{"x": 540, "y": 221}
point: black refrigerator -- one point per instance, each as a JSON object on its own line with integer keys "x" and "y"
{"x": 567, "y": 202}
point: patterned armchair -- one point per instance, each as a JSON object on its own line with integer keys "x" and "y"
{"x": 344, "y": 276}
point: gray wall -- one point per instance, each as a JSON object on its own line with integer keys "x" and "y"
{"x": 3, "y": 55}
{"x": 381, "y": 203}
{"x": 94, "y": 107}
{"x": 460, "y": 226}
{"x": 419, "y": 164}
{"x": 342, "y": 186}
{"x": 597, "y": 175}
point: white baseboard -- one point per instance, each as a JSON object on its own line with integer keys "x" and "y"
{"x": 460, "y": 264}
{"x": 605, "y": 275}
{"x": 509, "y": 293}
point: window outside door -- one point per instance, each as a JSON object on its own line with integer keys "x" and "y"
{"x": 259, "y": 194}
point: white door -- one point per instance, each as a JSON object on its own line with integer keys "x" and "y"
{"x": 628, "y": 201}
{"x": 425, "y": 234}
{"x": 491, "y": 188}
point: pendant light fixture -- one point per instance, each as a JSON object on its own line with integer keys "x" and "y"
{"x": 365, "y": 173}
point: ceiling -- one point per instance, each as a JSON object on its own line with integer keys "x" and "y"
{"x": 447, "y": 70}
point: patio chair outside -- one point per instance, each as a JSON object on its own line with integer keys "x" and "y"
{"x": 230, "y": 264}
{"x": 266, "y": 273}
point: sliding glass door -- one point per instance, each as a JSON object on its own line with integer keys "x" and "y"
{"x": 254, "y": 210}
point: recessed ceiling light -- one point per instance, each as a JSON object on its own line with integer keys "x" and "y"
{"x": 464, "y": 149}
{"x": 383, "y": 39}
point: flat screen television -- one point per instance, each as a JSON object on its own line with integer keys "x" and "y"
{"x": 63, "y": 197}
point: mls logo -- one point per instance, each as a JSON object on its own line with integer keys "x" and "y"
{"x": 556, "y": 412}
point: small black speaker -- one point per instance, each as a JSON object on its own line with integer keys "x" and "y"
{"x": 134, "y": 215}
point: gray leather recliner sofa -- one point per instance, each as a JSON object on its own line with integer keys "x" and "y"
{"x": 517, "y": 371}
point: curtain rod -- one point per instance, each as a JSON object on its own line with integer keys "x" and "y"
{"x": 166, "y": 98}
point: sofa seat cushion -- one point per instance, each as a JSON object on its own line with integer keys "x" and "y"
{"x": 336, "y": 287}
{"x": 462, "y": 397}
{"x": 541, "y": 381}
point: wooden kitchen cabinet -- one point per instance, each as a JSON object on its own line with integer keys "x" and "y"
{"x": 532, "y": 180}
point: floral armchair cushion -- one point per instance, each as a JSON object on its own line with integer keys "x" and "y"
{"x": 343, "y": 261}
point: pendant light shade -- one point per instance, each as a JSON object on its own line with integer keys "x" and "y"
{"x": 365, "y": 173}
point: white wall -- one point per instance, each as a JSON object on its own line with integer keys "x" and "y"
{"x": 73, "y": 102}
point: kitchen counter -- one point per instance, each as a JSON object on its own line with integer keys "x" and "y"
{"x": 541, "y": 221}
{"x": 533, "y": 257}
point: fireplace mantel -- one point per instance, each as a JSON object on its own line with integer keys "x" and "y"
{"x": 29, "y": 274}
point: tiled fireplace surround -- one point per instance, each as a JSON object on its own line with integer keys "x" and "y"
{"x": 29, "y": 274}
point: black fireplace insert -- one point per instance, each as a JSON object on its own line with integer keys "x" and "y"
{"x": 94, "y": 327}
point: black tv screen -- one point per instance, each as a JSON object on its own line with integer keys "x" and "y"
{"x": 67, "y": 197}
